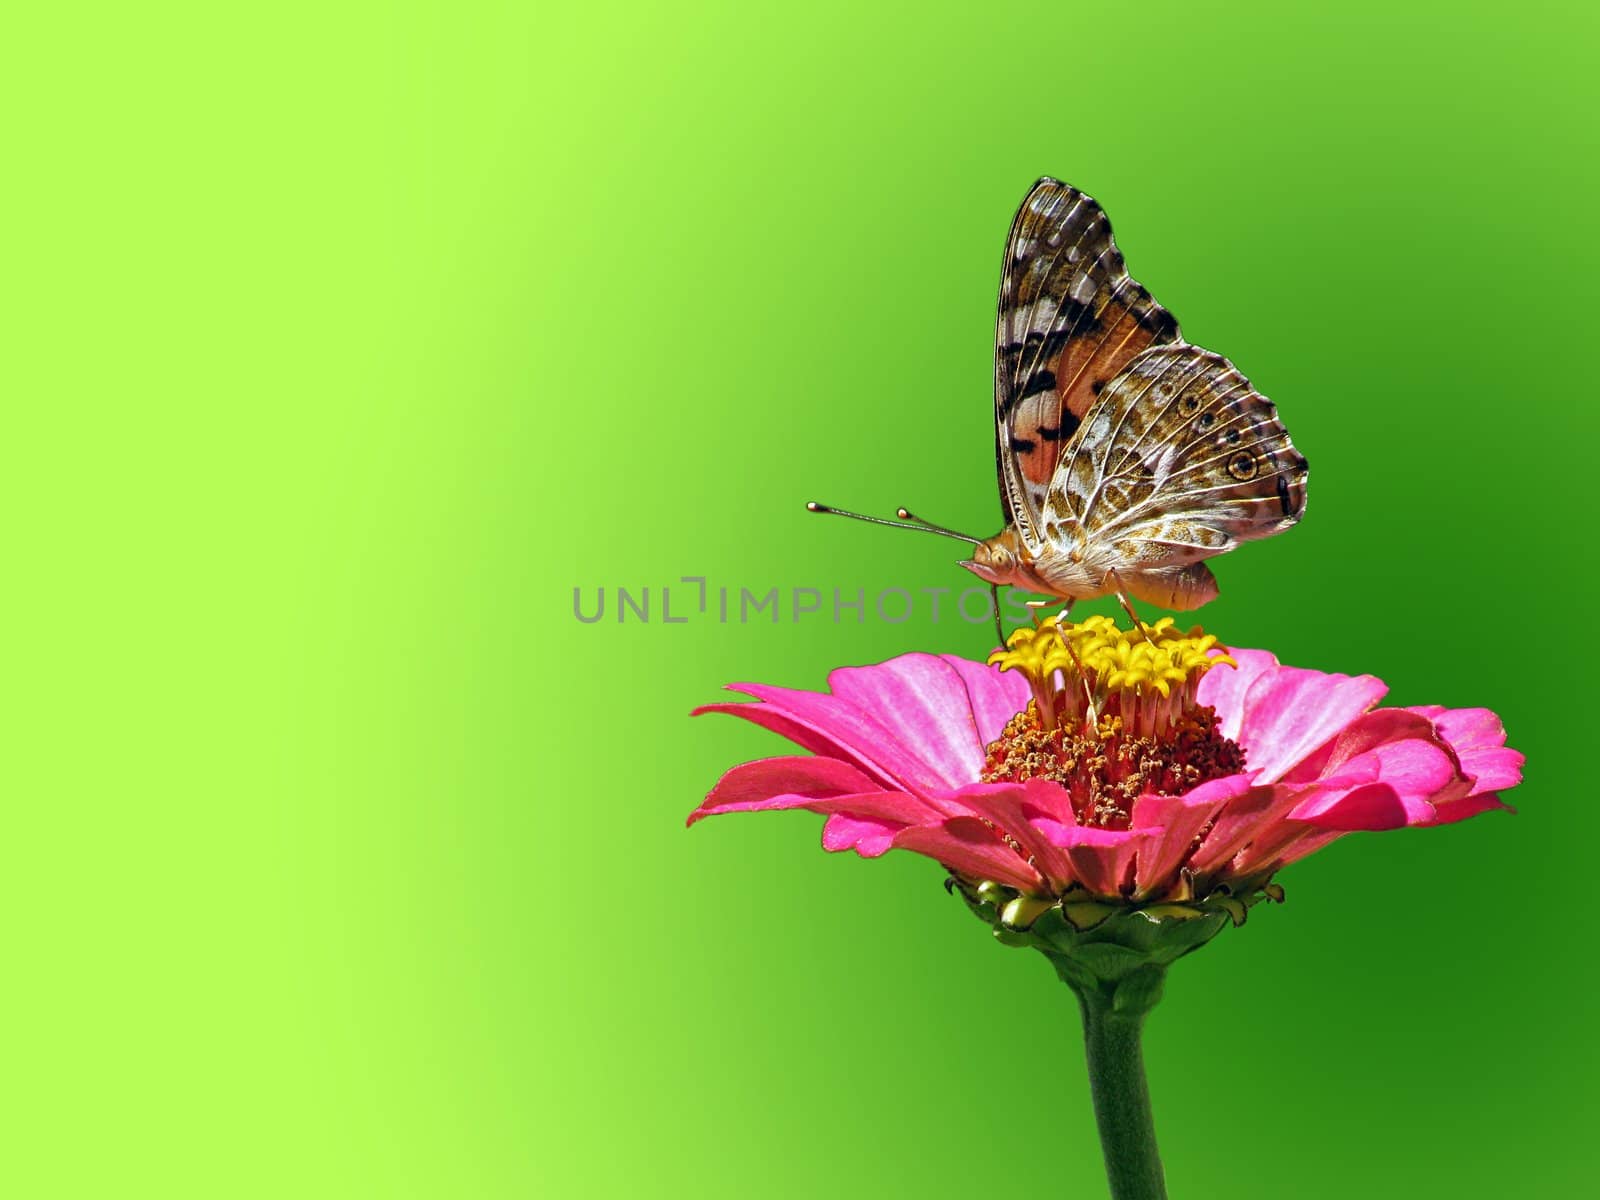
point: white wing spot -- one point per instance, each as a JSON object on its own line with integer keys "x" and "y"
{"x": 1043, "y": 203}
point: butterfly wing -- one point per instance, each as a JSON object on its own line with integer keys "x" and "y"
{"x": 1179, "y": 459}
{"x": 1070, "y": 319}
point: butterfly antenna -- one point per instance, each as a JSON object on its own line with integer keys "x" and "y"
{"x": 912, "y": 523}
{"x": 905, "y": 514}
{"x": 909, "y": 520}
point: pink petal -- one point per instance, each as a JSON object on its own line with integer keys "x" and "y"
{"x": 1224, "y": 688}
{"x": 1375, "y": 783}
{"x": 1290, "y": 712}
{"x": 788, "y": 782}
{"x": 967, "y": 845}
{"x": 1353, "y": 745}
{"x": 922, "y": 701}
{"x": 1370, "y": 806}
{"x": 1295, "y": 841}
{"x": 995, "y": 695}
{"x": 1242, "y": 818}
{"x": 1450, "y": 811}
{"x": 1276, "y": 840}
{"x": 1047, "y": 798}
{"x": 1417, "y": 769}
{"x": 829, "y": 726}
{"x": 1300, "y": 820}
{"x": 1386, "y": 769}
{"x": 1479, "y": 740}
{"x": 1101, "y": 859}
{"x": 1005, "y": 806}
{"x": 1058, "y": 833}
{"x": 896, "y": 808}
{"x": 1404, "y": 745}
{"x": 865, "y": 835}
{"x": 1182, "y": 818}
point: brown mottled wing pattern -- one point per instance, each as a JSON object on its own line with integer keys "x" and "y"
{"x": 1179, "y": 459}
{"x": 1070, "y": 319}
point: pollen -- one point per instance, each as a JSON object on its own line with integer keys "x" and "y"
{"x": 1106, "y": 768}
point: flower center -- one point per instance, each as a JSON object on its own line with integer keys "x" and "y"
{"x": 1113, "y": 716}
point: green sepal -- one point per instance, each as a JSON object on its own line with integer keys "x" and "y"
{"x": 1236, "y": 909}
{"x": 1113, "y": 949}
{"x": 1023, "y": 911}
{"x": 1085, "y": 916}
{"x": 994, "y": 893}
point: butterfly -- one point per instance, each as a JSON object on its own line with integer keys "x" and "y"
{"x": 1126, "y": 456}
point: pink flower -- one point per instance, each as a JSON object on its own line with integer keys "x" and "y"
{"x": 1096, "y": 763}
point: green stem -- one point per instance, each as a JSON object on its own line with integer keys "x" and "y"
{"x": 1115, "y": 960}
{"x": 1121, "y": 1098}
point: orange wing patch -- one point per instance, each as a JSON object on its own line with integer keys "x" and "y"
{"x": 1042, "y": 422}
{"x": 1085, "y": 365}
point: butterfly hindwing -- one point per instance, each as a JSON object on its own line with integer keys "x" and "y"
{"x": 1070, "y": 319}
{"x": 1179, "y": 459}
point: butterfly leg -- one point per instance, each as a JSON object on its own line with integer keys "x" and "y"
{"x": 1127, "y": 607}
{"x": 1083, "y": 675}
{"x": 994, "y": 603}
{"x": 1049, "y": 602}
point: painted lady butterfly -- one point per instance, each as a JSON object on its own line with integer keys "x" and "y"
{"x": 1126, "y": 456}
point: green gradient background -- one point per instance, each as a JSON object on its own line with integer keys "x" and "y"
{"x": 341, "y": 861}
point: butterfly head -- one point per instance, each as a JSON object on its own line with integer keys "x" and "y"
{"x": 1001, "y": 560}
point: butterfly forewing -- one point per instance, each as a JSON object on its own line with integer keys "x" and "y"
{"x": 1070, "y": 319}
{"x": 1178, "y": 459}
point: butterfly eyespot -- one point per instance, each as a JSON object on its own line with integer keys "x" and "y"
{"x": 1243, "y": 466}
{"x": 1189, "y": 404}
{"x": 1207, "y": 420}
{"x": 1233, "y": 437}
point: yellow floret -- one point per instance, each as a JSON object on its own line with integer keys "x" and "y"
{"x": 1096, "y": 658}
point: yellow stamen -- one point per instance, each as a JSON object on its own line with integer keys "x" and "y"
{"x": 1075, "y": 668}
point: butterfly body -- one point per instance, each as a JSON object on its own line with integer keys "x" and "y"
{"x": 1125, "y": 455}
{"x": 1080, "y": 573}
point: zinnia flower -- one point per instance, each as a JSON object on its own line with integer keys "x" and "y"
{"x": 1089, "y": 763}
{"x": 1112, "y": 799}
